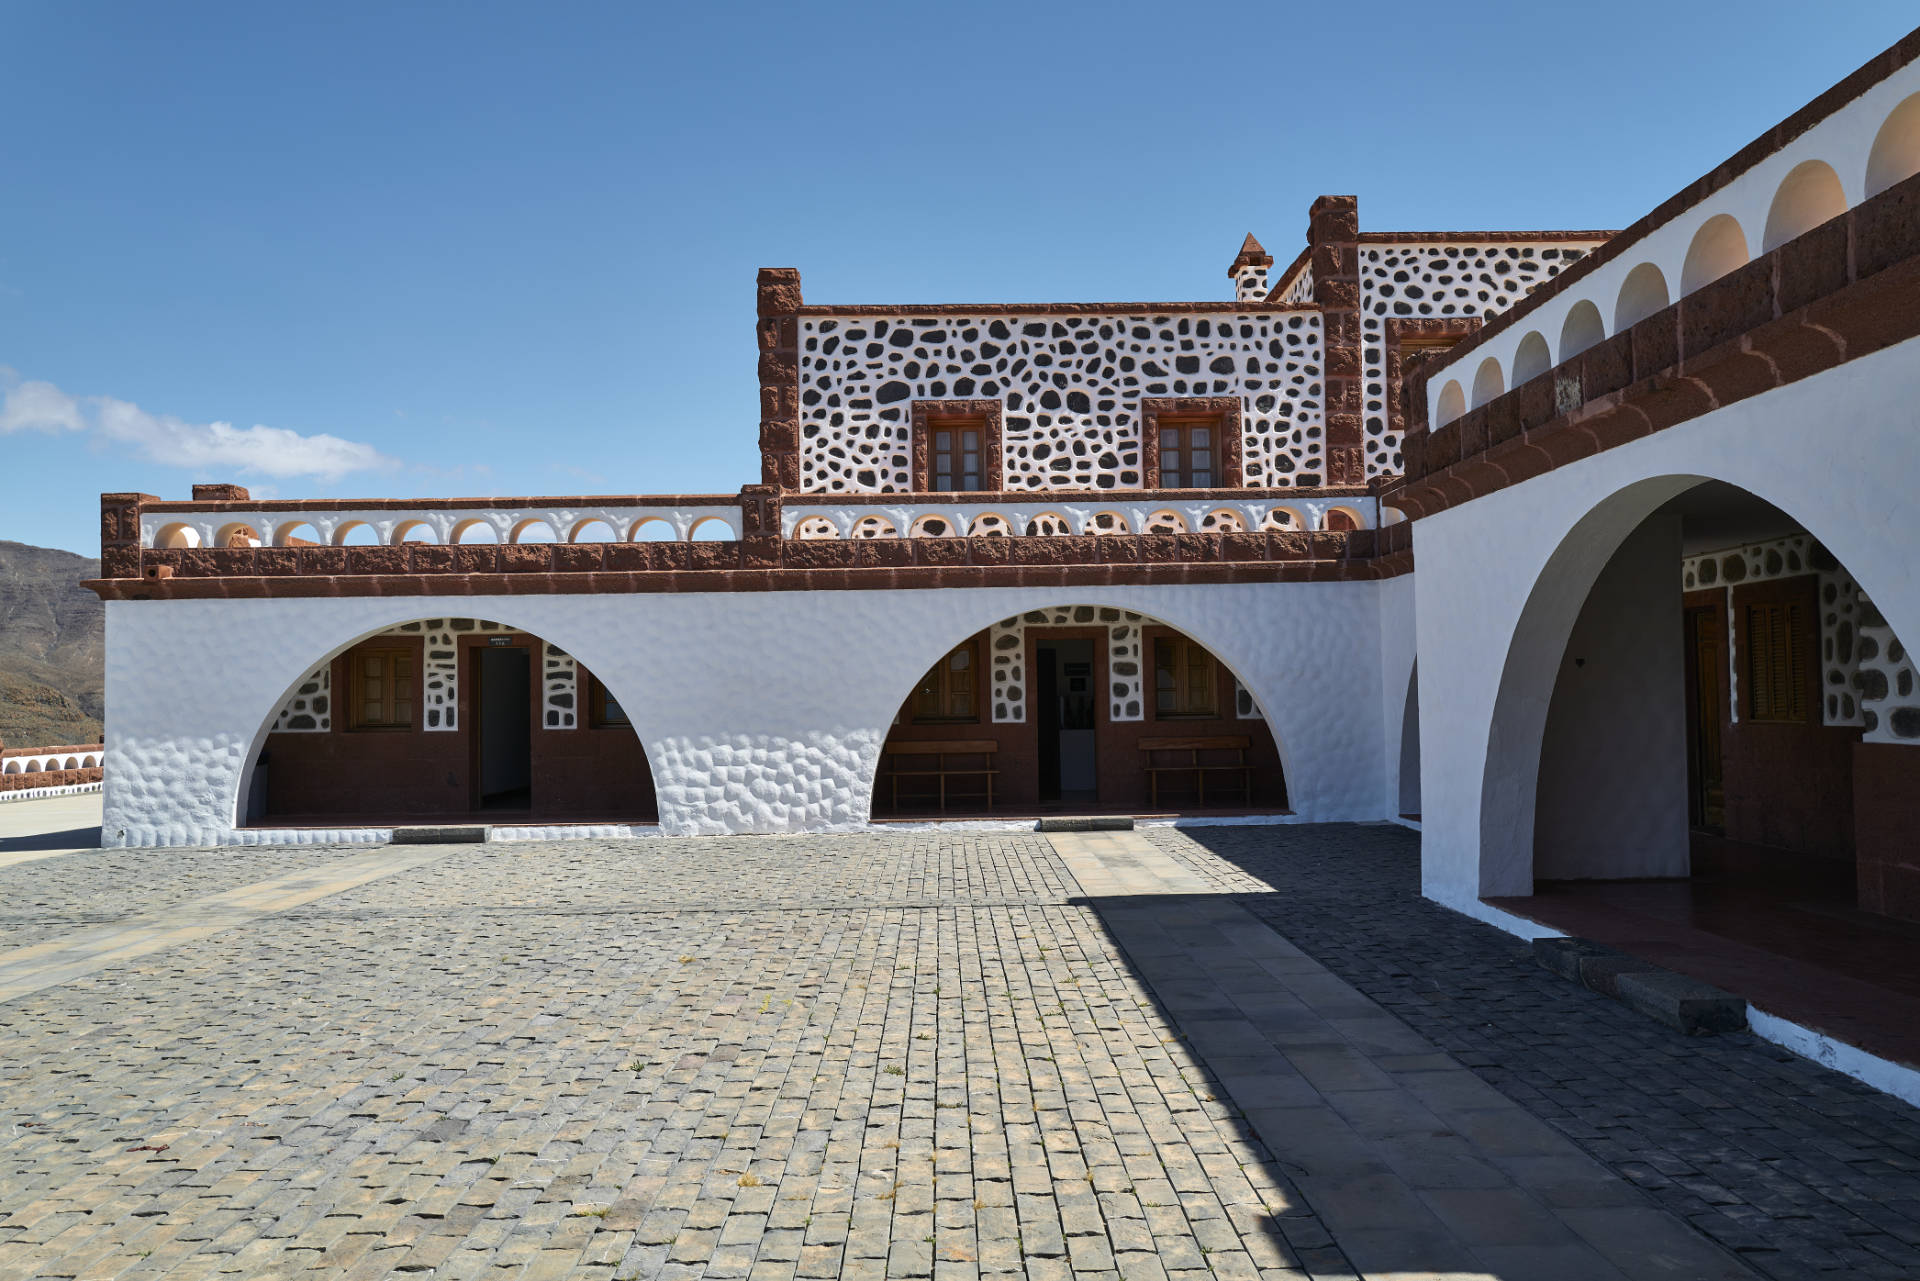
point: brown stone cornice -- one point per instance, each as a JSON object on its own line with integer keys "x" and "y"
{"x": 1481, "y": 237}
{"x": 856, "y": 310}
{"x": 1844, "y": 290}
{"x": 759, "y": 563}
{"x": 534, "y": 503}
{"x": 1876, "y": 69}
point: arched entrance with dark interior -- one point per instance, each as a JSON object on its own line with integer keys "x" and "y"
{"x": 449, "y": 720}
{"x": 1729, "y": 765}
{"x": 1078, "y": 709}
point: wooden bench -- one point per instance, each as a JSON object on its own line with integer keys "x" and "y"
{"x": 941, "y": 768}
{"x": 1236, "y": 744}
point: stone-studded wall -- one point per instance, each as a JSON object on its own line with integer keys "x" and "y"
{"x": 1070, "y": 384}
{"x": 1007, "y": 650}
{"x": 310, "y": 709}
{"x": 1433, "y": 280}
{"x": 1866, "y": 676}
{"x": 559, "y": 690}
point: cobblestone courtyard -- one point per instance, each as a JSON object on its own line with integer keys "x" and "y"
{"x": 912, "y": 1055}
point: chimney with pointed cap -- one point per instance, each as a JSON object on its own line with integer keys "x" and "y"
{"x": 1249, "y": 270}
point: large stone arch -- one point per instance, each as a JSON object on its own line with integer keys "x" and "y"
{"x": 1502, "y": 580}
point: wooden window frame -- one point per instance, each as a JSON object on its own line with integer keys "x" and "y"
{"x": 1222, "y": 413}
{"x": 1795, "y": 603}
{"x": 1411, "y": 340}
{"x": 989, "y": 416}
{"x": 1181, "y": 644}
{"x": 356, "y": 704}
{"x": 597, "y": 699}
{"x": 915, "y": 716}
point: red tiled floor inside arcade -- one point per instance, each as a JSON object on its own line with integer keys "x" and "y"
{"x": 1794, "y": 946}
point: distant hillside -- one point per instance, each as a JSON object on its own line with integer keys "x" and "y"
{"x": 52, "y": 648}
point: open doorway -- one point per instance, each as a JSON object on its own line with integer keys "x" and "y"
{"x": 504, "y": 742}
{"x": 1064, "y": 692}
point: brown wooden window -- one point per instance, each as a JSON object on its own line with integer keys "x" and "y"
{"x": 1184, "y": 683}
{"x": 1189, "y": 453}
{"x": 603, "y": 709}
{"x": 950, "y": 691}
{"x": 1776, "y": 667}
{"x": 954, "y": 455}
{"x": 382, "y": 685}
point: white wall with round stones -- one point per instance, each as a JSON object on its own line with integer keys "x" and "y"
{"x": 746, "y": 729}
{"x": 1070, "y": 382}
{"x": 1426, "y": 280}
{"x": 1007, "y": 659}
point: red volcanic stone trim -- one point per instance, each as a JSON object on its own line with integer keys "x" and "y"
{"x": 1875, "y": 70}
{"x": 219, "y": 494}
{"x": 1726, "y": 341}
{"x": 777, "y": 331}
{"x": 1227, "y": 409}
{"x": 120, "y": 534}
{"x": 51, "y": 778}
{"x": 1050, "y": 309}
{"x": 1408, "y": 342}
{"x": 1284, "y": 282}
{"x": 930, "y": 414}
{"x": 1333, "y": 231}
{"x": 1481, "y": 237}
{"x": 1252, "y": 254}
{"x": 149, "y": 503}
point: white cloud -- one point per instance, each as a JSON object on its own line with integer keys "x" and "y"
{"x": 39, "y": 407}
{"x": 210, "y": 449}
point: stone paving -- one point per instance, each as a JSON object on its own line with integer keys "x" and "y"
{"x": 881, "y": 1055}
{"x": 1800, "y": 1170}
{"x": 669, "y": 1070}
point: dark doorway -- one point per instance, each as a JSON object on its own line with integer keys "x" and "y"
{"x": 1706, "y": 655}
{"x": 1065, "y": 691}
{"x": 504, "y": 742}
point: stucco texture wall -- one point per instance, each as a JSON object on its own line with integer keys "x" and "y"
{"x": 1503, "y": 578}
{"x": 759, "y": 712}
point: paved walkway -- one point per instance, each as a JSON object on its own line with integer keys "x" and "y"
{"x": 886, "y": 1055}
{"x": 48, "y": 826}
{"x": 1802, "y": 1171}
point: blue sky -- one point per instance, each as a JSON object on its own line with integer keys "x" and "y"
{"x": 342, "y": 249}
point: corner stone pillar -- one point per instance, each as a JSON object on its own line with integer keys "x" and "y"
{"x": 120, "y": 534}
{"x": 1333, "y": 230}
{"x": 778, "y": 305}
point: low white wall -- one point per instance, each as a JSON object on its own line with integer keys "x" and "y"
{"x": 1503, "y": 578}
{"x": 759, "y": 712}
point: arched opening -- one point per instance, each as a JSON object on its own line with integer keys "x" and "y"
{"x": 1340, "y": 518}
{"x": 1077, "y": 709}
{"x": 73, "y": 762}
{"x": 1166, "y": 522}
{"x": 1488, "y": 383}
{"x": 1807, "y": 197}
{"x": 1718, "y": 247}
{"x": 298, "y": 534}
{"x": 413, "y": 531}
{"x": 651, "y": 529}
{"x": 711, "y": 529}
{"x": 1531, "y": 358}
{"x": 989, "y": 525}
{"x": 237, "y": 534}
{"x": 1452, "y": 404}
{"x": 13, "y": 767}
{"x": 874, "y": 527}
{"x": 1281, "y": 520}
{"x": 355, "y": 533}
{"x": 533, "y": 530}
{"x": 1106, "y": 523}
{"x": 1706, "y": 734}
{"x": 475, "y": 530}
{"x": 1582, "y": 329}
{"x": 815, "y": 528}
{"x": 1048, "y": 525}
{"x": 449, "y": 720}
{"x": 1642, "y": 294}
{"x": 592, "y": 531}
{"x": 1896, "y": 148}
{"x": 932, "y": 527}
{"x": 177, "y": 535}
{"x": 1224, "y": 521}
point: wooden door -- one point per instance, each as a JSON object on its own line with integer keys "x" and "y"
{"x": 1706, "y": 683}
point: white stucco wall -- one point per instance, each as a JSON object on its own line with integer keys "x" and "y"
{"x": 1616, "y": 728}
{"x": 1396, "y": 673}
{"x": 1502, "y": 578}
{"x": 759, "y": 712}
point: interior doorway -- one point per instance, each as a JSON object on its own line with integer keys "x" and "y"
{"x": 504, "y": 742}
{"x": 1064, "y": 691}
{"x": 1706, "y": 655}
